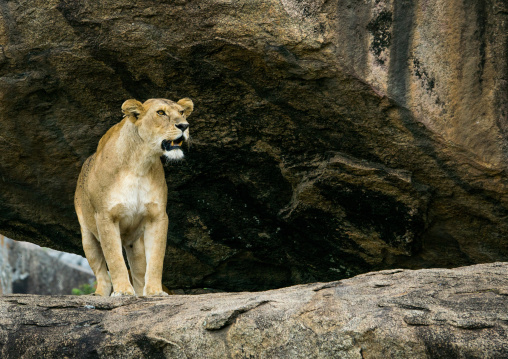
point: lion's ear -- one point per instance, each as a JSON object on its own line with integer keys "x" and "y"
{"x": 187, "y": 104}
{"x": 132, "y": 108}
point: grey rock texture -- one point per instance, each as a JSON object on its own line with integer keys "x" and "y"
{"x": 29, "y": 269}
{"x": 432, "y": 313}
{"x": 5, "y": 267}
{"x": 330, "y": 137}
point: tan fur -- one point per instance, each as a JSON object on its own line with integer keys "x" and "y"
{"x": 121, "y": 197}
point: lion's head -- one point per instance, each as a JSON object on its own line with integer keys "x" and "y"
{"x": 162, "y": 124}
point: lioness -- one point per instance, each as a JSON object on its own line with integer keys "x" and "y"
{"x": 121, "y": 196}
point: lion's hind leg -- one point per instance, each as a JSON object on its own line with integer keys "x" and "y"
{"x": 95, "y": 257}
{"x": 137, "y": 262}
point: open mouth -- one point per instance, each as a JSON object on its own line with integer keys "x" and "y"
{"x": 172, "y": 145}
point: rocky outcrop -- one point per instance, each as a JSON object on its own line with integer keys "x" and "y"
{"x": 5, "y": 267}
{"x": 330, "y": 138}
{"x": 434, "y": 313}
{"x": 29, "y": 269}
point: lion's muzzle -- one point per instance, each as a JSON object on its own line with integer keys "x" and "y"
{"x": 168, "y": 145}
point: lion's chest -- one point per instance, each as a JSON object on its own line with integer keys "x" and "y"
{"x": 132, "y": 201}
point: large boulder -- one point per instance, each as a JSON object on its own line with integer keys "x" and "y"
{"x": 329, "y": 138}
{"x": 432, "y": 313}
{"x": 29, "y": 269}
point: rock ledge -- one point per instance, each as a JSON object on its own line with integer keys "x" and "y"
{"x": 432, "y": 313}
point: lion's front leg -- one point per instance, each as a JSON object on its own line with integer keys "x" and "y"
{"x": 111, "y": 243}
{"x": 155, "y": 248}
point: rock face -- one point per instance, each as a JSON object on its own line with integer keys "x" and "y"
{"x": 330, "y": 138}
{"x": 29, "y": 269}
{"x": 433, "y": 313}
{"x": 5, "y": 267}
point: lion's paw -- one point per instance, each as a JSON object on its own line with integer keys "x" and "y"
{"x": 156, "y": 294}
{"x": 122, "y": 293}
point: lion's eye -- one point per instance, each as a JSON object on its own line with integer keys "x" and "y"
{"x": 160, "y": 112}
{"x": 182, "y": 112}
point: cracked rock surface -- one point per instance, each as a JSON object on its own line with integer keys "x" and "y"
{"x": 330, "y": 138}
{"x": 431, "y": 313}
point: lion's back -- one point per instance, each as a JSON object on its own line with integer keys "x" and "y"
{"x": 82, "y": 181}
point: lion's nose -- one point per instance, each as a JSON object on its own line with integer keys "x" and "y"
{"x": 182, "y": 126}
